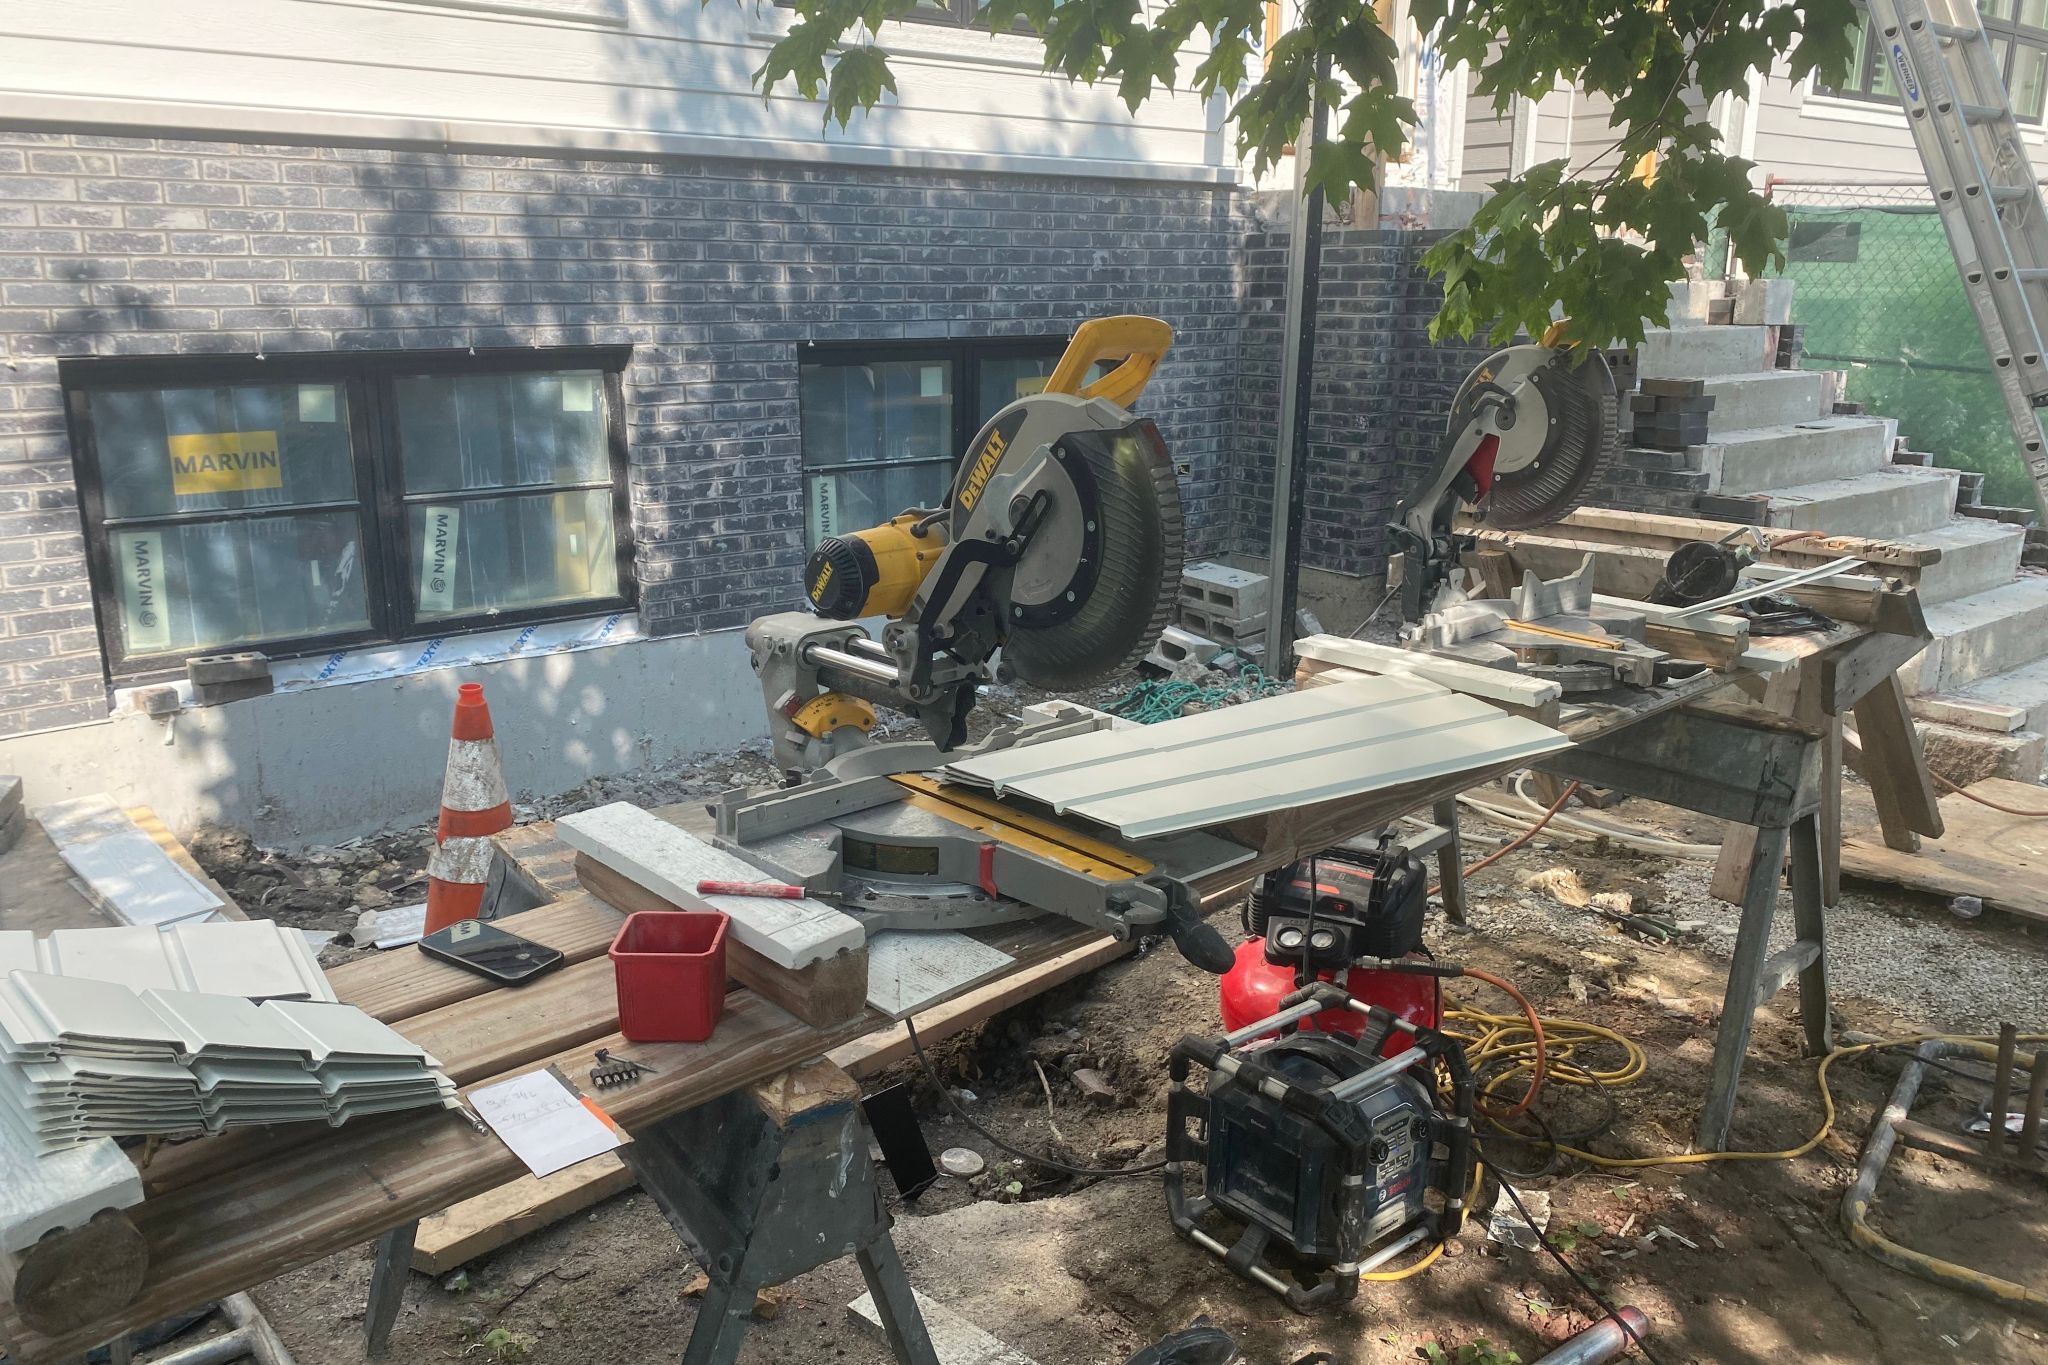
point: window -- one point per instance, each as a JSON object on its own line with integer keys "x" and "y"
{"x": 885, "y": 424}
{"x": 308, "y": 502}
{"x": 2018, "y": 30}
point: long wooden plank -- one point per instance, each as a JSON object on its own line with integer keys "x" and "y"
{"x": 405, "y": 981}
{"x": 1589, "y": 523}
{"x": 526, "y": 1205}
{"x": 2001, "y": 859}
{"x": 296, "y": 1205}
{"x": 505, "y": 1028}
{"x": 822, "y": 993}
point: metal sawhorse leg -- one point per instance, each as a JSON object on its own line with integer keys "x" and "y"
{"x": 767, "y": 1183}
{"x": 1768, "y": 778}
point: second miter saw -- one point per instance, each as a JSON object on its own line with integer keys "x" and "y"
{"x": 1530, "y": 433}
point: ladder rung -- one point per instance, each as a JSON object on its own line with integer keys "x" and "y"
{"x": 1980, "y": 113}
{"x": 2007, "y": 194}
{"x": 1955, "y": 33}
{"x": 2028, "y": 274}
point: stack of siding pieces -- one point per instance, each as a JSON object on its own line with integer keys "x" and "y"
{"x": 101, "y": 1038}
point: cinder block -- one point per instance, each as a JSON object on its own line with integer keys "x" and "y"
{"x": 1217, "y": 628}
{"x": 1177, "y": 645}
{"x": 1219, "y": 590}
{"x": 1765, "y": 303}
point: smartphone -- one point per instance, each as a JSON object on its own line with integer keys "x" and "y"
{"x": 476, "y": 946}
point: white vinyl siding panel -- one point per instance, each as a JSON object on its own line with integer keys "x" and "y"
{"x": 674, "y": 77}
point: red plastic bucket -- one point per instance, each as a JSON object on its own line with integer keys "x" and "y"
{"x": 670, "y": 970}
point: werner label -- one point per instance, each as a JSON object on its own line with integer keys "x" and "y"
{"x": 145, "y": 617}
{"x": 225, "y": 462}
{"x": 437, "y": 558}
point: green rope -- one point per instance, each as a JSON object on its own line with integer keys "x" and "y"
{"x": 1165, "y": 698}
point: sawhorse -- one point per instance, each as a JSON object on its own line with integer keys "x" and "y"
{"x": 1750, "y": 775}
{"x": 763, "y": 1184}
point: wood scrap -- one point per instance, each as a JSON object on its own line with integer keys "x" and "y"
{"x": 2001, "y": 859}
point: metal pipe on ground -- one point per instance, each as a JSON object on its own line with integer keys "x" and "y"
{"x": 252, "y": 1338}
{"x": 1601, "y": 1342}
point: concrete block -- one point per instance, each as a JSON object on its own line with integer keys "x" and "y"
{"x": 1689, "y": 301}
{"x": 1987, "y": 633}
{"x": 1975, "y": 557}
{"x": 1223, "y": 632}
{"x": 1772, "y": 457}
{"x": 1178, "y": 645}
{"x": 1965, "y": 756}
{"x": 1765, "y": 303}
{"x": 1219, "y": 590}
{"x": 1701, "y": 352}
{"x": 1895, "y": 502}
{"x": 1767, "y": 398}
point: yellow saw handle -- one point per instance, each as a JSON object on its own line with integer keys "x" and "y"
{"x": 1142, "y": 342}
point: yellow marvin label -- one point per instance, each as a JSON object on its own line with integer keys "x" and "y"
{"x": 225, "y": 462}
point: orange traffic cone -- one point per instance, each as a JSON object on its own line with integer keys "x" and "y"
{"x": 474, "y": 806}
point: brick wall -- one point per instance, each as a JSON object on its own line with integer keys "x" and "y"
{"x": 1381, "y": 393}
{"x": 715, "y": 271}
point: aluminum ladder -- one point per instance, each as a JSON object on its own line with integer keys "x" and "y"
{"x": 1984, "y": 188}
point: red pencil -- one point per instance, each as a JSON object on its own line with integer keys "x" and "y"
{"x": 764, "y": 890}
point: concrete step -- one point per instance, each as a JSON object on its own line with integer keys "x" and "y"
{"x": 1896, "y": 502}
{"x": 1982, "y": 635}
{"x": 1701, "y": 352}
{"x": 1766, "y": 398}
{"x": 1964, "y": 756}
{"x": 2023, "y": 689}
{"x": 1764, "y": 458}
{"x": 1975, "y": 556}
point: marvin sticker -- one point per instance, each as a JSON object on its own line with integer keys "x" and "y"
{"x": 145, "y": 618}
{"x": 437, "y": 558}
{"x": 225, "y": 462}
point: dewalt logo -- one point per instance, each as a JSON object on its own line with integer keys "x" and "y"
{"x": 984, "y": 469}
{"x": 821, "y": 582}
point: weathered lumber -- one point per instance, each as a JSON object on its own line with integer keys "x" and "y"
{"x": 1999, "y": 858}
{"x": 1895, "y": 767}
{"x": 76, "y": 1277}
{"x": 825, "y": 992}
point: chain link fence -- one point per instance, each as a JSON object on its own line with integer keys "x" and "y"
{"x": 1879, "y": 298}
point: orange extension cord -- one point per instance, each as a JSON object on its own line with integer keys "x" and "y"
{"x": 1968, "y": 795}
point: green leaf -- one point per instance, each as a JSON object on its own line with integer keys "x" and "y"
{"x": 859, "y": 78}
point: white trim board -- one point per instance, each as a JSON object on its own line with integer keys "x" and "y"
{"x": 670, "y": 862}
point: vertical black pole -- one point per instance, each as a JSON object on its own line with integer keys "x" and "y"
{"x": 1280, "y": 625}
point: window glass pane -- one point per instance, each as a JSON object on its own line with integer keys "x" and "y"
{"x": 1884, "y": 82}
{"x": 894, "y": 410}
{"x": 501, "y": 430}
{"x": 210, "y": 449}
{"x": 1005, "y": 379}
{"x": 2033, "y": 13}
{"x": 198, "y": 586}
{"x": 505, "y": 554}
{"x": 2029, "y": 82}
{"x": 854, "y": 499}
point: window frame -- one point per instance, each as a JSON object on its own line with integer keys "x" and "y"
{"x": 962, "y": 353}
{"x": 381, "y": 506}
{"x": 957, "y": 14}
{"x": 1996, "y": 26}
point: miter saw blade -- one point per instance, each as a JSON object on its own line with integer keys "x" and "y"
{"x": 1121, "y": 532}
{"x": 1566, "y": 429}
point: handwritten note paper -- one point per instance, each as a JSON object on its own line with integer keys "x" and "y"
{"x": 545, "y": 1123}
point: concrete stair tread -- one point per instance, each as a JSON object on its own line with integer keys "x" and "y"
{"x": 1759, "y": 459}
{"x": 1896, "y": 502}
{"x": 1765, "y": 398}
{"x": 1701, "y": 352}
{"x": 1982, "y": 635}
{"x": 1976, "y": 555}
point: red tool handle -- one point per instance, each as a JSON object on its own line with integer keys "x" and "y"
{"x": 765, "y": 890}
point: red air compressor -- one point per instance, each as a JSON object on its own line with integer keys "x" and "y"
{"x": 1367, "y": 903}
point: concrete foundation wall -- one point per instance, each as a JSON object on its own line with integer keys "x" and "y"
{"x": 329, "y": 763}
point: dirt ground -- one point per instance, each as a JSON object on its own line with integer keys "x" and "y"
{"x": 1745, "y": 1262}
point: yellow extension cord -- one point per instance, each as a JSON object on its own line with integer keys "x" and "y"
{"x": 1492, "y": 1037}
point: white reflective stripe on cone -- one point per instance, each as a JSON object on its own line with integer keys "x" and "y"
{"x": 461, "y": 860}
{"x": 476, "y": 779}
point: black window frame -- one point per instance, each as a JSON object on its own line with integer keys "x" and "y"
{"x": 962, "y": 353}
{"x": 365, "y": 381}
{"x": 1862, "y": 83}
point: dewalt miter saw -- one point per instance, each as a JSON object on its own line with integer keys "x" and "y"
{"x": 1056, "y": 560}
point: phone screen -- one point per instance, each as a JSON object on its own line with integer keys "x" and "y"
{"x": 488, "y": 950}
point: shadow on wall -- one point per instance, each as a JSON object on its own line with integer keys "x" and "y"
{"x": 330, "y": 763}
